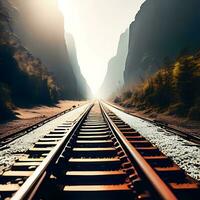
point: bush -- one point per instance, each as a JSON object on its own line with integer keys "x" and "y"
{"x": 156, "y": 91}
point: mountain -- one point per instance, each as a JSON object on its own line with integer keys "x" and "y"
{"x": 84, "y": 89}
{"x": 24, "y": 80}
{"x": 114, "y": 77}
{"x": 40, "y": 27}
{"x": 161, "y": 32}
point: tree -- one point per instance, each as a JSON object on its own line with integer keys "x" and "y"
{"x": 183, "y": 74}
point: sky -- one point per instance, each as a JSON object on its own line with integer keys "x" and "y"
{"x": 96, "y": 26}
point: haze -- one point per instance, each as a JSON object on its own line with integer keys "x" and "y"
{"x": 96, "y": 26}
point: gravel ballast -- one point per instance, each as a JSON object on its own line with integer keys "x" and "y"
{"x": 184, "y": 153}
{"x": 18, "y": 147}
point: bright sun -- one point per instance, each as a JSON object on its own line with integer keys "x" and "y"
{"x": 62, "y": 5}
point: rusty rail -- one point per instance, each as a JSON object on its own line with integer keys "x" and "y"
{"x": 7, "y": 139}
{"x": 29, "y": 188}
{"x": 160, "y": 187}
{"x": 193, "y": 138}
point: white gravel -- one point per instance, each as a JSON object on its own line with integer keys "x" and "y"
{"x": 183, "y": 153}
{"x": 18, "y": 147}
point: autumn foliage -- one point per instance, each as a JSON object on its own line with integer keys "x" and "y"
{"x": 174, "y": 88}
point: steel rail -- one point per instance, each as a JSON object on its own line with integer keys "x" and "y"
{"x": 24, "y": 192}
{"x": 160, "y": 187}
{"x": 10, "y": 138}
{"x": 192, "y": 138}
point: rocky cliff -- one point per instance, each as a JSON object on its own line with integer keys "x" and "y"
{"x": 84, "y": 89}
{"x": 24, "y": 80}
{"x": 114, "y": 77}
{"x": 162, "y": 31}
{"x": 40, "y": 26}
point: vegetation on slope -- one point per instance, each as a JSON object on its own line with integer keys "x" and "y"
{"x": 174, "y": 88}
{"x": 24, "y": 81}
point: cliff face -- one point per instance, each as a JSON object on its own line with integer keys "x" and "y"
{"x": 24, "y": 81}
{"x": 114, "y": 77}
{"x": 83, "y": 88}
{"x": 162, "y": 30}
{"x": 40, "y": 26}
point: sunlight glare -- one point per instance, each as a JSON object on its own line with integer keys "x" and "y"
{"x": 96, "y": 29}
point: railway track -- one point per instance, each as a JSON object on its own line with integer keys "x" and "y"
{"x": 100, "y": 157}
{"x": 8, "y": 139}
{"x": 188, "y": 136}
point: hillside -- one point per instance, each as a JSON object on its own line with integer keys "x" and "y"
{"x": 174, "y": 90}
{"x": 162, "y": 31}
{"x": 24, "y": 81}
{"x": 40, "y": 27}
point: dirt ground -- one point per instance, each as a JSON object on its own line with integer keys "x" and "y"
{"x": 29, "y": 116}
{"x": 182, "y": 124}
